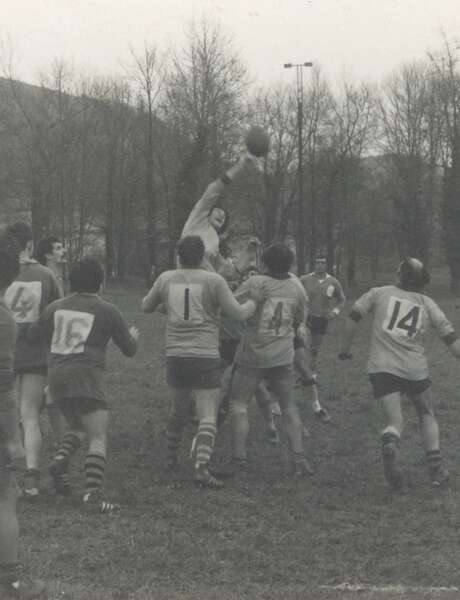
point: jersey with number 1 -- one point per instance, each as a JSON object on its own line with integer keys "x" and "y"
{"x": 79, "y": 328}
{"x": 401, "y": 318}
{"x": 268, "y": 336}
{"x": 33, "y": 289}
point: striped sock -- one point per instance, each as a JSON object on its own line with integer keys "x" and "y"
{"x": 69, "y": 445}
{"x": 94, "y": 472}
{"x": 434, "y": 459}
{"x": 204, "y": 442}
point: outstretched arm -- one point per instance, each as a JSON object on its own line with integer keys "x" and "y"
{"x": 351, "y": 326}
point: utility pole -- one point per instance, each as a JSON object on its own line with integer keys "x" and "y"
{"x": 300, "y": 241}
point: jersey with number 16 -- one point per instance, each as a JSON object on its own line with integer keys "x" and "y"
{"x": 400, "y": 319}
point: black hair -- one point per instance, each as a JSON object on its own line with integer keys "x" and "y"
{"x": 87, "y": 275}
{"x": 191, "y": 251}
{"x": 44, "y": 247}
{"x": 278, "y": 259}
{"x": 9, "y": 260}
{"x": 412, "y": 274}
{"x": 225, "y": 249}
{"x": 21, "y": 232}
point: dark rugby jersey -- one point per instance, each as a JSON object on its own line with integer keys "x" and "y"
{"x": 79, "y": 328}
{"x": 7, "y": 344}
{"x": 30, "y": 293}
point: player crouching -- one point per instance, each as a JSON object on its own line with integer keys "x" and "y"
{"x": 80, "y": 327}
{"x": 193, "y": 299}
{"x": 397, "y": 364}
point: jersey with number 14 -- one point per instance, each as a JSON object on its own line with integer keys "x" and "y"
{"x": 400, "y": 319}
{"x": 79, "y": 328}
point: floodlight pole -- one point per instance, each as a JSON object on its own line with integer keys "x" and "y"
{"x": 300, "y": 245}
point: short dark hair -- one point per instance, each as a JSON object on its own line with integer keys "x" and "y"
{"x": 191, "y": 251}
{"x": 44, "y": 247}
{"x": 21, "y": 232}
{"x": 278, "y": 258}
{"x": 9, "y": 260}
{"x": 87, "y": 275}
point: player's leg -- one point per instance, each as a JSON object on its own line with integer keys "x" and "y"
{"x": 54, "y": 415}
{"x": 95, "y": 423}
{"x": 177, "y": 421}
{"x": 12, "y": 582}
{"x": 429, "y": 430}
{"x": 68, "y": 445}
{"x": 207, "y": 403}
{"x": 308, "y": 381}
{"x": 265, "y": 402}
{"x": 391, "y": 436}
{"x": 282, "y": 382}
{"x": 31, "y": 386}
{"x": 244, "y": 385}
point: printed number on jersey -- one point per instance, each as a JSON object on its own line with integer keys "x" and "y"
{"x": 71, "y": 331}
{"x": 277, "y": 316}
{"x": 185, "y": 303}
{"x": 403, "y": 318}
{"x": 23, "y": 299}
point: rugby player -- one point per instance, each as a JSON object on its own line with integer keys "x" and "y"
{"x": 326, "y": 300}
{"x": 51, "y": 253}
{"x": 397, "y": 363}
{"x": 80, "y": 327}
{"x": 193, "y": 298}
{"x": 266, "y": 351}
{"x": 12, "y": 585}
{"x": 209, "y": 220}
{"x": 33, "y": 289}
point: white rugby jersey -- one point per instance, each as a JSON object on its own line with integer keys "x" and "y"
{"x": 401, "y": 318}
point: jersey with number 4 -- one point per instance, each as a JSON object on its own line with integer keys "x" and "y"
{"x": 268, "y": 336}
{"x": 400, "y": 319}
{"x": 79, "y": 328}
{"x": 33, "y": 289}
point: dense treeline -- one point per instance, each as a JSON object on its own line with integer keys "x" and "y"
{"x": 123, "y": 160}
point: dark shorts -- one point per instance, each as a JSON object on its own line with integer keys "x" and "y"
{"x": 74, "y": 408}
{"x": 227, "y": 350}
{"x": 387, "y": 383}
{"x": 193, "y": 373}
{"x": 317, "y": 325}
{"x": 299, "y": 342}
{"x": 269, "y": 373}
{"x": 31, "y": 371}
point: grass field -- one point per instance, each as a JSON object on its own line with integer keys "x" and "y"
{"x": 265, "y": 536}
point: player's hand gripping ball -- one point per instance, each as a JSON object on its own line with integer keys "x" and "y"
{"x": 257, "y": 141}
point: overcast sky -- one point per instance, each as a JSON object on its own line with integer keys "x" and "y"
{"x": 364, "y": 39}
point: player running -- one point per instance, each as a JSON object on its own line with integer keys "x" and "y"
{"x": 33, "y": 289}
{"x": 80, "y": 327}
{"x": 266, "y": 351}
{"x": 12, "y": 584}
{"x": 397, "y": 364}
{"x": 326, "y": 300}
{"x": 193, "y": 298}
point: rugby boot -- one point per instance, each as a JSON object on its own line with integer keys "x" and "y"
{"x": 31, "y": 482}
{"x": 93, "y": 502}
{"x": 301, "y": 467}
{"x": 60, "y": 477}
{"x": 322, "y": 415}
{"x": 204, "y": 478}
{"x": 392, "y": 473}
{"x": 439, "y": 476}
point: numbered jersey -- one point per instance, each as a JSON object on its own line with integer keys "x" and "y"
{"x": 268, "y": 336}
{"x": 400, "y": 319}
{"x": 79, "y": 328}
{"x": 324, "y": 293}
{"x": 7, "y": 344}
{"x": 34, "y": 288}
{"x": 193, "y": 299}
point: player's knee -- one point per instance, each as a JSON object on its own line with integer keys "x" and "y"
{"x": 98, "y": 445}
